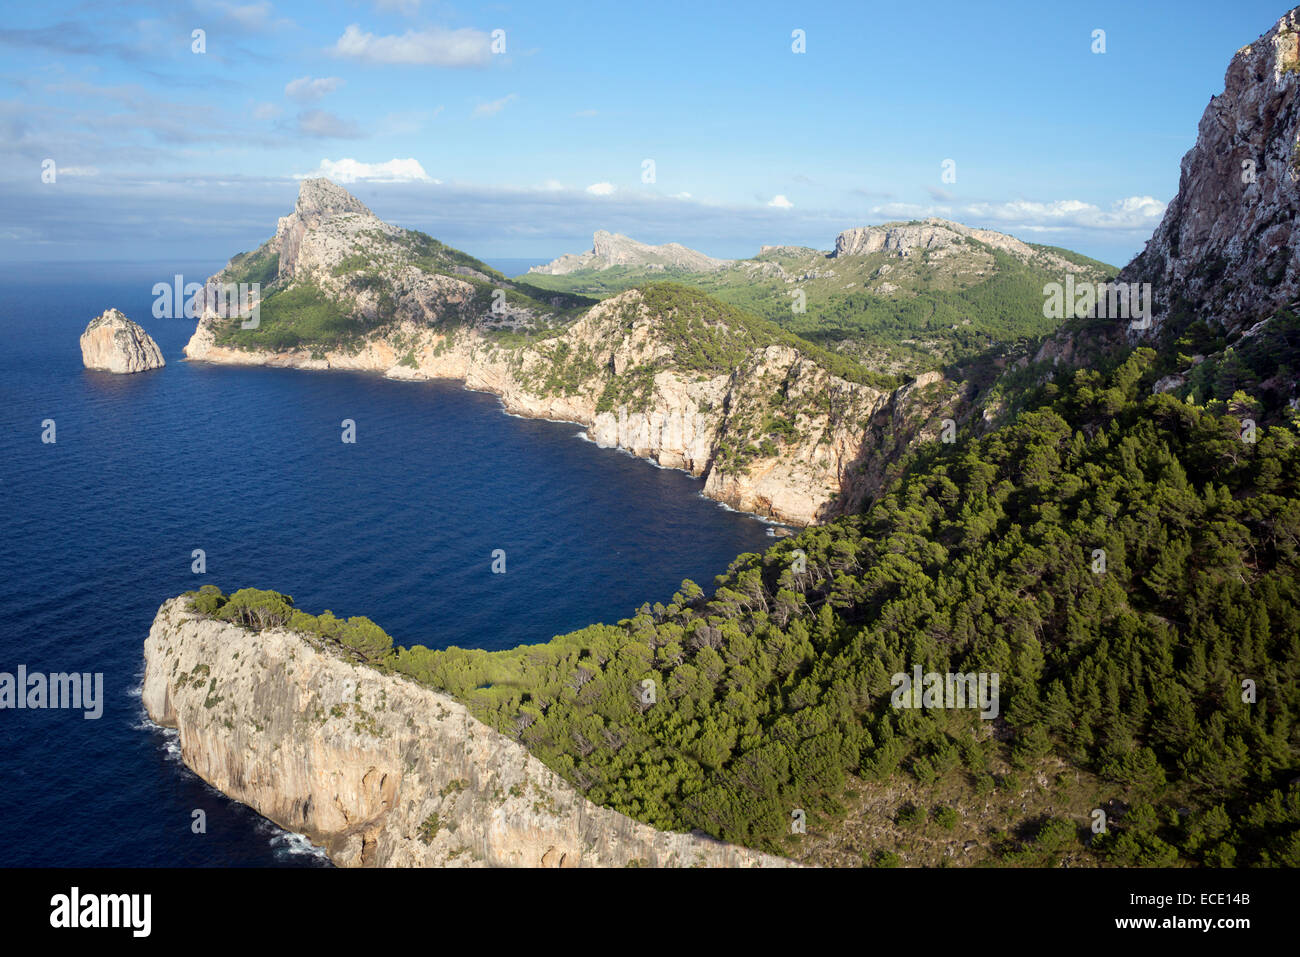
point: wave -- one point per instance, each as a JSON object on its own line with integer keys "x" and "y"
{"x": 291, "y": 844}
{"x": 766, "y": 520}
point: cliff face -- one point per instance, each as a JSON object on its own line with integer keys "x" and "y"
{"x": 777, "y": 435}
{"x": 376, "y": 769}
{"x": 1224, "y": 263}
{"x": 113, "y": 343}
{"x": 1227, "y": 248}
{"x": 682, "y": 420}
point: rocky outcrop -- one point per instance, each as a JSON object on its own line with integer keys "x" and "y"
{"x": 707, "y": 425}
{"x": 378, "y": 770}
{"x": 937, "y": 235}
{"x": 320, "y": 200}
{"x": 1228, "y": 247}
{"x": 1227, "y": 251}
{"x": 614, "y": 369}
{"x": 615, "y": 249}
{"x": 113, "y": 343}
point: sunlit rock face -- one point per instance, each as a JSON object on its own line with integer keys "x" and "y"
{"x": 375, "y": 768}
{"x": 113, "y": 343}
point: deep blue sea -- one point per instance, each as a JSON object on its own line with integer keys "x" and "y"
{"x": 97, "y": 529}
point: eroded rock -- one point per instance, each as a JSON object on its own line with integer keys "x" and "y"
{"x": 113, "y": 343}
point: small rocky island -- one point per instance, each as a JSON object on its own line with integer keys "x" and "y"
{"x": 113, "y": 343}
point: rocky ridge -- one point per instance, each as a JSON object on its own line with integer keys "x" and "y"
{"x": 613, "y": 369}
{"x": 378, "y": 770}
{"x": 1222, "y": 264}
{"x": 1227, "y": 248}
{"x": 937, "y": 235}
{"x": 614, "y": 249}
{"x": 113, "y": 343}
{"x": 687, "y": 420}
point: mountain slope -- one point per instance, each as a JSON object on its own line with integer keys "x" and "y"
{"x": 774, "y": 424}
{"x": 1120, "y": 683}
{"x": 334, "y": 271}
{"x": 380, "y": 772}
{"x": 1223, "y": 263}
{"x": 1126, "y": 562}
{"x": 903, "y": 298}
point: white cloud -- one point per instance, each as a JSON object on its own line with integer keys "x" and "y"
{"x": 305, "y": 89}
{"x": 434, "y": 47}
{"x": 585, "y": 113}
{"x": 77, "y": 171}
{"x": 266, "y": 111}
{"x": 1131, "y": 213}
{"x": 496, "y": 106}
{"x": 600, "y": 189}
{"x": 780, "y": 202}
{"x": 681, "y": 196}
{"x": 354, "y": 171}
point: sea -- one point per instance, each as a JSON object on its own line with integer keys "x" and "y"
{"x": 101, "y": 525}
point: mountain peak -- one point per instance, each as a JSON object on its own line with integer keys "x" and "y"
{"x": 319, "y": 197}
{"x": 614, "y": 249}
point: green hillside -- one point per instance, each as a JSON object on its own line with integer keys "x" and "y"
{"x": 897, "y": 315}
{"x": 1162, "y": 686}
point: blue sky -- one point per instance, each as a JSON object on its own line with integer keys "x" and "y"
{"x": 161, "y": 151}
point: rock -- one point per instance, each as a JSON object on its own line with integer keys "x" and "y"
{"x": 614, "y": 249}
{"x": 113, "y": 343}
{"x": 378, "y": 770}
{"x": 936, "y": 235}
{"x": 1227, "y": 247}
{"x": 321, "y": 202}
{"x": 833, "y": 453}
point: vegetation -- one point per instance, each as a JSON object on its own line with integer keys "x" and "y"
{"x": 290, "y": 318}
{"x": 358, "y": 637}
{"x": 1126, "y": 563}
{"x": 710, "y": 336}
{"x": 262, "y": 265}
{"x": 1263, "y": 366}
{"x": 432, "y": 255}
{"x": 941, "y": 311}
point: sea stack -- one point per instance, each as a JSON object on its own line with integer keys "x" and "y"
{"x": 113, "y": 343}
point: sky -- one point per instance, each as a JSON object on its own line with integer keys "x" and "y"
{"x": 518, "y": 129}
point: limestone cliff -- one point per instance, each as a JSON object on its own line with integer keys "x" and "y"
{"x": 375, "y": 768}
{"x": 113, "y": 343}
{"x": 757, "y": 414}
{"x": 1228, "y": 247}
{"x": 1225, "y": 260}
